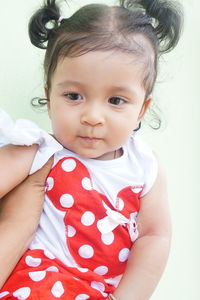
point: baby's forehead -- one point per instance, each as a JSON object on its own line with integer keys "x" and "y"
{"x": 98, "y": 60}
{"x": 135, "y": 49}
{"x": 100, "y": 72}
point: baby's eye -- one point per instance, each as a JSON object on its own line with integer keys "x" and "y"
{"x": 116, "y": 101}
{"x": 73, "y": 96}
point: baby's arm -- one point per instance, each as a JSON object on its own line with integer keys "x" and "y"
{"x": 149, "y": 254}
{"x": 15, "y": 164}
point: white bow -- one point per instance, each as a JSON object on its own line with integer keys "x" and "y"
{"x": 114, "y": 219}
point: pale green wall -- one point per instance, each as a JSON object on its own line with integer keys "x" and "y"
{"x": 178, "y": 144}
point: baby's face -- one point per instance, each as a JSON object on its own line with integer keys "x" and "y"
{"x": 96, "y": 101}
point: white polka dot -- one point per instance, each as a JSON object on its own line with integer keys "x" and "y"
{"x": 133, "y": 216}
{"x": 37, "y": 276}
{"x": 52, "y": 269}
{"x": 22, "y": 293}
{"x": 75, "y": 278}
{"x": 123, "y": 254}
{"x": 98, "y": 286}
{"x": 49, "y": 183}
{"x": 67, "y": 200}
{"x": 136, "y": 190}
{"x": 107, "y": 238}
{"x": 83, "y": 270}
{"x": 71, "y": 231}
{"x": 88, "y": 218}
{"x": 69, "y": 165}
{"x": 114, "y": 280}
{"x": 82, "y": 297}
{"x": 57, "y": 290}
{"x": 86, "y": 251}
{"x": 86, "y": 183}
{"x": 33, "y": 262}
{"x": 101, "y": 270}
{"x": 120, "y": 204}
{"x": 105, "y": 295}
{"x": 3, "y": 294}
{"x": 105, "y": 205}
{"x": 49, "y": 254}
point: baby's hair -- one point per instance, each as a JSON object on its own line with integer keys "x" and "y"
{"x": 145, "y": 28}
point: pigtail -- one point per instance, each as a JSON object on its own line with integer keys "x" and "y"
{"x": 39, "y": 31}
{"x": 164, "y": 16}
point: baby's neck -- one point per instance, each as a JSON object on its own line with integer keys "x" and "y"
{"x": 111, "y": 155}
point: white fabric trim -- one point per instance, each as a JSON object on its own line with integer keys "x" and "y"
{"x": 26, "y": 133}
{"x": 148, "y": 162}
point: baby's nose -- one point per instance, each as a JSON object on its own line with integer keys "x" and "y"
{"x": 93, "y": 115}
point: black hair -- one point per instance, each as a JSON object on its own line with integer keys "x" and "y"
{"x": 95, "y": 27}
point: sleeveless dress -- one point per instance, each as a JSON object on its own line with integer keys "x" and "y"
{"x": 89, "y": 221}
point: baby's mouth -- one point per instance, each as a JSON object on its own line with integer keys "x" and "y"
{"x": 90, "y": 139}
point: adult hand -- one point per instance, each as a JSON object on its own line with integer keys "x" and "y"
{"x": 19, "y": 216}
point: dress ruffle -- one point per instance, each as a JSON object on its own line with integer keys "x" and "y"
{"x": 26, "y": 133}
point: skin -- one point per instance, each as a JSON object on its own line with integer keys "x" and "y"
{"x": 18, "y": 229}
{"x": 15, "y": 162}
{"x": 96, "y": 101}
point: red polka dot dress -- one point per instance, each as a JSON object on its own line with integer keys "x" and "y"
{"x": 87, "y": 228}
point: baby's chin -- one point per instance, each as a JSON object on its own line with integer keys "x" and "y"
{"x": 94, "y": 155}
{"x": 87, "y": 153}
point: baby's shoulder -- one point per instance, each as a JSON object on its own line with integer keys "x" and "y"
{"x": 146, "y": 159}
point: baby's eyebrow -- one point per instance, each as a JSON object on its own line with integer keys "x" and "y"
{"x": 114, "y": 88}
{"x": 124, "y": 88}
{"x": 68, "y": 82}
{"x": 130, "y": 91}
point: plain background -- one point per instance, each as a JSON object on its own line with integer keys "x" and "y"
{"x": 177, "y": 143}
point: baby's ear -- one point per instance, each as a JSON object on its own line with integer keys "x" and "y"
{"x": 46, "y": 91}
{"x": 145, "y": 106}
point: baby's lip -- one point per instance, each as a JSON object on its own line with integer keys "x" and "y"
{"x": 90, "y": 137}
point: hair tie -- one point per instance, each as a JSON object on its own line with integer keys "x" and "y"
{"x": 60, "y": 19}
